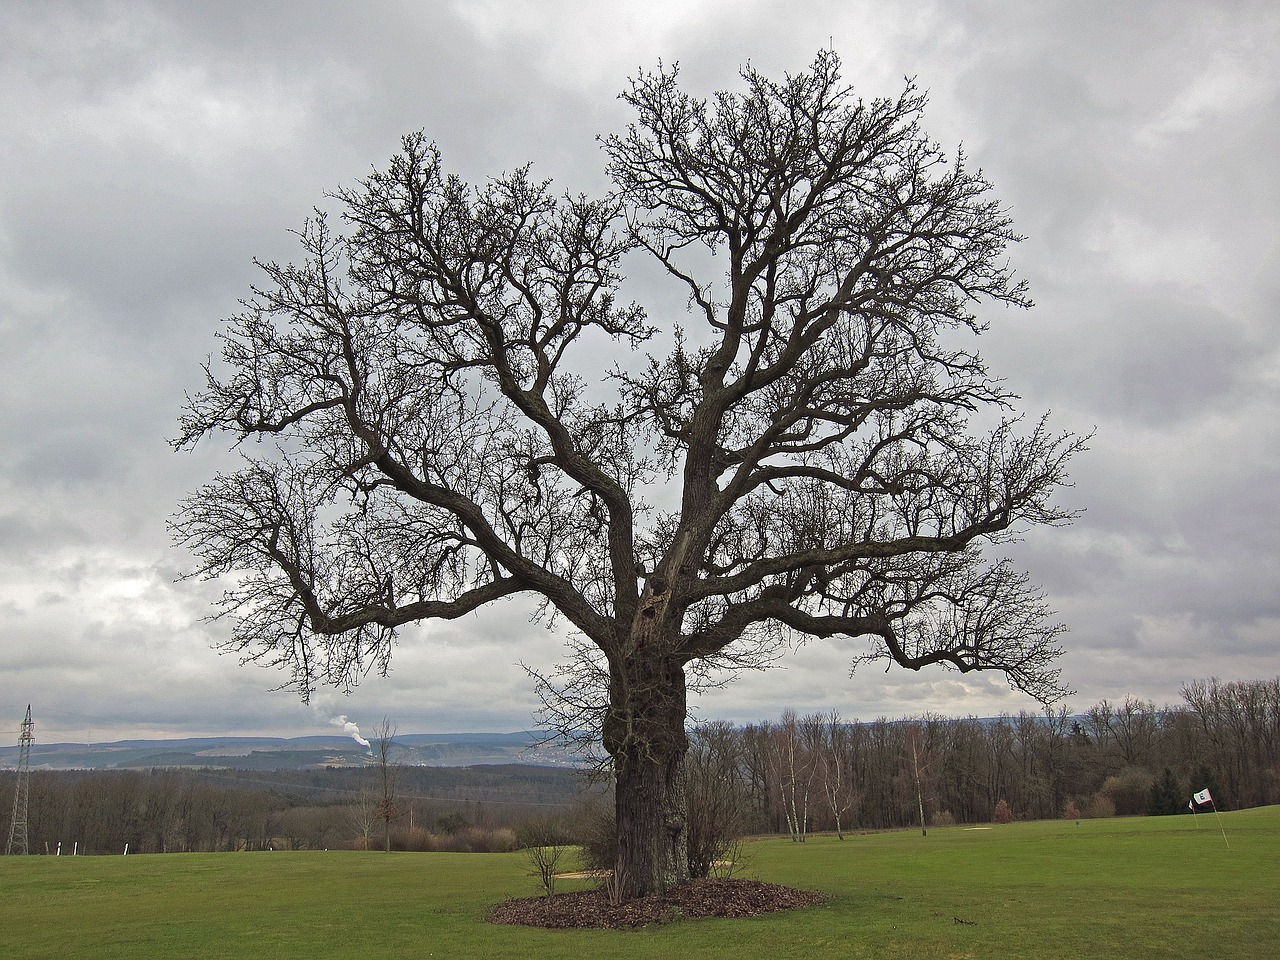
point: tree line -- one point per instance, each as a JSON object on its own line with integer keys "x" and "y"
{"x": 820, "y": 772}
{"x": 162, "y": 810}
{"x": 796, "y": 775}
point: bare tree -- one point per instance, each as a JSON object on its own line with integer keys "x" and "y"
{"x": 797, "y": 459}
{"x": 544, "y": 859}
{"x": 837, "y": 772}
{"x": 1240, "y": 722}
{"x": 384, "y": 746}
{"x": 545, "y": 841}
{"x": 794, "y": 765}
{"x": 914, "y": 750}
{"x": 1133, "y": 728}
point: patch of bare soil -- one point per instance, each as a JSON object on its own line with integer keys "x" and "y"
{"x": 696, "y": 898}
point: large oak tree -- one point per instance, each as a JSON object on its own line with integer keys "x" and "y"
{"x": 797, "y": 455}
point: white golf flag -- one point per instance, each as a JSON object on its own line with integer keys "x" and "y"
{"x": 1203, "y": 797}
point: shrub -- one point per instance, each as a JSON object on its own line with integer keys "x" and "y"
{"x": 1002, "y": 812}
{"x": 716, "y": 801}
{"x": 544, "y": 861}
{"x": 464, "y": 840}
{"x": 452, "y": 823}
{"x": 944, "y": 818}
{"x": 1099, "y": 806}
{"x": 480, "y": 840}
{"x": 545, "y": 840}
{"x": 1071, "y": 811}
{"x": 597, "y": 835}
{"x": 1129, "y": 790}
{"x": 503, "y": 840}
{"x": 415, "y": 839}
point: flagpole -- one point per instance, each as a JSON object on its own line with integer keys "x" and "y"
{"x": 1224, "y": 832}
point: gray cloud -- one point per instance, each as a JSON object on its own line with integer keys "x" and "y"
{"x": 152, "y": 150}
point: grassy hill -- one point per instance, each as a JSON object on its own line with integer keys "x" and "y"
{"x": 1149, "y": 888}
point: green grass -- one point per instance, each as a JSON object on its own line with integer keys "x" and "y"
{"x": 1139, "y": 888}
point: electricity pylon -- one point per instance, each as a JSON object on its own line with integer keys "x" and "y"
{"x": 18, "y": 825}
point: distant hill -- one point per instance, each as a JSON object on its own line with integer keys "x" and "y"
{"x": 296, "y": 753}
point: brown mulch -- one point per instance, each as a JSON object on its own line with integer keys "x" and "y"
{"x": 695, "y": 898}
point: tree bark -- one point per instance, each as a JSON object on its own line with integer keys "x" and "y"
{"x": 646, "y": 738}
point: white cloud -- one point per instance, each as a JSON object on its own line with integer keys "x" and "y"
{"x": 561, "y": 35}
{"x": 185, "y": 110}
{"x": 1149, "y": 255}
{"x": 1228, "y": 85}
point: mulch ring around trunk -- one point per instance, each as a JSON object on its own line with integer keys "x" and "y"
{"x": 694, "y": 898}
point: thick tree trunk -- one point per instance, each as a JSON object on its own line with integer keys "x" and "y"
{"x": 646, "y": 738}
{"x": 653, "y": 842}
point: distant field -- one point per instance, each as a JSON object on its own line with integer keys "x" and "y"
{"x": 1126, "y": 888}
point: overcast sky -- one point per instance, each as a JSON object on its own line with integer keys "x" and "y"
{"x": 150, "y": 151}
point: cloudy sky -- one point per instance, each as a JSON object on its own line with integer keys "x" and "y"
{"x": 150, "y": 151}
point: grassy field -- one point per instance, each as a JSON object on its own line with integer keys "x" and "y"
{"x": 1131, "y": 888}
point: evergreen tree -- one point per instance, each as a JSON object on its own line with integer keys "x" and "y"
{"x": 1205, "y": 779}
{"x": 1166, "y": 796}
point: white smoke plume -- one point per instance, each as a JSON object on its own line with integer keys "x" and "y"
{"x": 351, "y": 730}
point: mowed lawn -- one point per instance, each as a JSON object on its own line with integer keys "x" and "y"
{"x": 1124, "y": 888}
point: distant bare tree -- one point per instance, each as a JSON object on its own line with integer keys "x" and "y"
{"x": 794, "y": 765}
{"x": 1133, "y": 728}
{"x": 363, "y": 816}
{"x": 441, "y": 432}
{"x": 384, "y": 747}
{"x": 837, "y": 772}
{"x": 914, "y": 751}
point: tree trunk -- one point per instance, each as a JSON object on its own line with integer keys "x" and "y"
{"x": 653, "y": 845}
{"x": 645, "y": 735}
